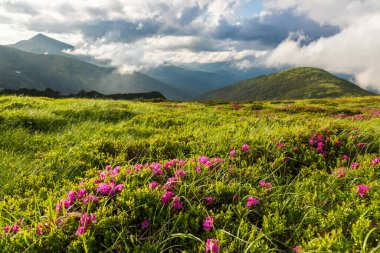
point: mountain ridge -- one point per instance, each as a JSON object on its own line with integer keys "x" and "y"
{"x": 294, "y": 83}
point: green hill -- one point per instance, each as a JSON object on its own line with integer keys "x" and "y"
{"x": 295, "y": 83}
{"x": 20, "y": 69}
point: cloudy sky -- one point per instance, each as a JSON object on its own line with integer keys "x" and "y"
{"x": 342, "y": 36}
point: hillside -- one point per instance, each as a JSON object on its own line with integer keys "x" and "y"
{"x": 20, "y": 69}
{"x": 85, "y": 175}
{"x": 295, "y": 83}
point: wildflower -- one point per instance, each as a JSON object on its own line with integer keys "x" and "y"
{"x": 252, "y": 201}
{"x": 39, "y": 229}
{"x": 361, "y": 145}
{"x": 15, "y": 229}
{"x": 198, "y": 168}
{"x": 166, "y": 197}
{"x": 71, "y": 195}
{"x": 138, "y": 167}
{"x": 296, "y": 249}
{"x": 212, "y": 245}
{"x": 108, "y": 167}
{"x": 115, "y": 171}
{"x": 102, "y": 175}
{"x": 203, "y": 159}
{"x": 233, "y": 153}
{"x": 170, "y": 183}
{"x": 375, "y": 161}
{"x": 208, "y": 223}
{"x": 81, "y": 193}
{"x": 208, "y": 163}
{"x": 156, "y": 168}
{"x": 280, "y": 145}
{"x": 145, "y": 224}
{"x": 81, "y": 230}
{"x": 262, "y": 183}
{"x": 104, "y": 189}
{"x": 180, "y": 173}
{"x": 6, "y": 229}
{"x": 153, "y": 185}
{"x": 341, "y": 173}
{"x": 346, "y": 157}
{"x": 355, "y": 165}
{"x": 176, "y": 204}
{"x": 91, "y": 198}
{"x": 338, "y": 143}
{"x": 362, "y": 190}
{"x": 119, "y": 187}
{"x": 245, "y": 148}
{"x": 209, "y": 200}
{"x": 312, "y": 142}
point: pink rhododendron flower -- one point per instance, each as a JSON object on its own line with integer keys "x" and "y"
{"x": 176, "y": 204}
{"x": 296, "y": 249}
{"x": 71, "y": 196}
{"x": 341, "y": 173}
{"x": 198, "y": 168}
{"x": 375, "y": 161}
{"x": 119, "y": 187}
{"x": 15, "y": 229}
{"x": 208, "y": 223}
{"x": 361, "y": 145}
{"x": 203, "y": 159}
{"x": 338, "y": 143}
{"x": 145, "y": 224}
{"x": 138, "y": 167}
{"x": 209, "y": 200}
{"x": 156, "y": 168}
{"x": 245, "y": 148}
{"x": 104, "y": 189}
{"x": 170, "y": 183}
{"x": 6, "y": 229}
{"x": 233, "y": 153}
{"x": 81, "y": 193}
{"x": 262, "y": 183}
{"x": 108, "y": 167}
{"x": 280, "y": 145}
{"x": 39, "y": 229}
{"x": 208, "y": 163}
{"x": 166, "y": 197}
{"x": 180, "y": 173}
{"x": 346, "y": 157}
{"x": 91, "y": 198}
{"x": 355, "y": 165}
{"x": 362, "y": 190}
{"x": 252, "y": 201}
{"x": 153, "y": 185}
{"x": 102, "y": 175}
{"x": 115, "y": 171}
{"x": 80, "y": 231}
{"x": 212, "y": 245}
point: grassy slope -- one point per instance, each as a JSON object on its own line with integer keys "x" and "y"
{"x": 294, "y": 83}
{"x": 45, "y": 144}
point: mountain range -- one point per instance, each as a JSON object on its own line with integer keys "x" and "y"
{"x": 42, "y": 62}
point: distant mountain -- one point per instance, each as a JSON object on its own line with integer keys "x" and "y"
{"x": 42, "y": 44}
{"x": 193, "y": 82}
{"x": 295, "y": 83}
{"x": 20, "y": 69}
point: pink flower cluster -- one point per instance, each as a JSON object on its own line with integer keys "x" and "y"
{"x": 212, "y": 245}
{"x": 71, "y": 198}
{"x": 252, "y": 201}
{"x": 109, "y": 189}
{"x": 168, "y": 197}
{"x": 375, "y": 161}
{"x": 362, "y": 190}
{"x": 208, "y": 162}
{"x": 84, "y": 223}
{"x": 318, "y": 143}
{"x": 208, "y": 223}
{"x": 264, "y": 184}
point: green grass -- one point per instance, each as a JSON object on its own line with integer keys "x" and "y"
{"x": 48, "y": 147}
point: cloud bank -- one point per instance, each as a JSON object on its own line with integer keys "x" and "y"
{"x": 340, "y": 36}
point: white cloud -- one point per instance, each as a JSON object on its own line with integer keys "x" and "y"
{"x": 355, "y": 50}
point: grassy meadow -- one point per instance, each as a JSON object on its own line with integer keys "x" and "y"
{"x": 81, "y": 175}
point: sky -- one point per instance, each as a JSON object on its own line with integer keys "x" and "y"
{"x": 341, "y": 36}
